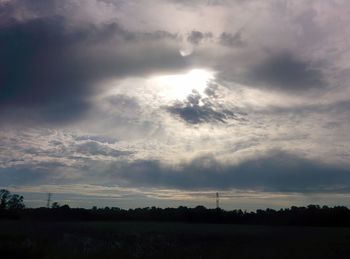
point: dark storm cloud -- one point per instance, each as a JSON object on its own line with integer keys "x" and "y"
{"x": 197, "y": 109}
{"x": 276, "y": 171}
{"x": 49, "y": 70}
{"x": 285, "y": 72}
{"x": 34, "y": 68}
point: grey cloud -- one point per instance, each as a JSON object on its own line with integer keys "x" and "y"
{"x": 197, "y": 109}
{"x": 96, "y": 149}
{"x": 226, "y": 39}
{"x": 124, "y": 104}
{"x": 231, "y": 40}
{"x": 31, "y": 174}
{"x": 32, "y": 71}
{"x": 276, "y": 171}
{"x": 21, "y": 176}
{"x": 125, "y": 113}
{"x": 56, "y": 143}
{"x": 96, "y": 138}
{"x": 192, "y": 3}
{"x": 196, "y": 37}
{"x": 331, "y": 109}
{"x": 283, "y": 72}
{"x": 49, "y": 71}
{"x": 157, "y": 35}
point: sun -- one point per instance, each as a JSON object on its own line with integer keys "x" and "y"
{"x": 179, "y": 86}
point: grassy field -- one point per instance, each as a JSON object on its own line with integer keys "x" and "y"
{"x": 20, "y": 239}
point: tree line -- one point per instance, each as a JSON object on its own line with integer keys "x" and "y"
{"x": 311, "y": 215}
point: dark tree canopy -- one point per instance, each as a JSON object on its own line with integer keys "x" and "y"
{"x": 9, "y": 201}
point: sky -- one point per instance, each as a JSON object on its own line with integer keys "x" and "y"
{"x": 127, "y": 103}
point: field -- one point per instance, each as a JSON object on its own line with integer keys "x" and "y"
{"x": 27, "y": 239}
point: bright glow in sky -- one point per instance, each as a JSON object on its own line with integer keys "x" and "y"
{"x": 179, "y": 86}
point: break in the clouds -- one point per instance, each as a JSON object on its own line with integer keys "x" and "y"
{"x": 172, "y": 100}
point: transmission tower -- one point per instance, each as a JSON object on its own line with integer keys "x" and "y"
{"x": 217, "y": 200}
{"x": 48, "y": 200}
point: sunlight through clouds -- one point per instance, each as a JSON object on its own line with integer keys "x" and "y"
{"x": 178, "y": 87}
{"x": 176, "y": 95}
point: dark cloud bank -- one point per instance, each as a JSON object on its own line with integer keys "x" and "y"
{"x": 49, "y": 70}
{"x": 277, "y": 71}
{"x": 276, "y": 172}
{"x": 287, "y": 72}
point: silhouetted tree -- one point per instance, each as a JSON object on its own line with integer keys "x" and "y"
{"x": 15, "y": 202}
{"x": 55, "y": 205}
{"x": 10, "y": 201}
{"x": 4, "y": 198}
{"x": 10, "y": 204}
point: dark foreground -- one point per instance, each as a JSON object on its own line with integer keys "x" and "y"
{"x": 27, "y": 239}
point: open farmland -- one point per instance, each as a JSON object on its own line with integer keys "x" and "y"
{"x": 28, "y": 239}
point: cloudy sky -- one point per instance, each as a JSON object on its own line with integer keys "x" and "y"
{"x": 165, "y": 102}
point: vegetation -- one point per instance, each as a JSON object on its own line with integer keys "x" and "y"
{"x": 312, "y": 215}
{"x": 64, "y": 232}
{"x": 11, "y": 206}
